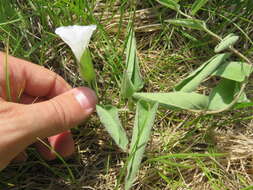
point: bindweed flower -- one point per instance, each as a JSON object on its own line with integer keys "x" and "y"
{"x": 78, "y": 38}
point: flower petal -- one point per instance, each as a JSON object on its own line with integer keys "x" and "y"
{"x": 77, "y": 37}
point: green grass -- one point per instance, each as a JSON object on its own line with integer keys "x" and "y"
{"x": 182, "y": 153}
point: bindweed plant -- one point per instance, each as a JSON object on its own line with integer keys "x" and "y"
{"x": 229, "y": 92}
{"x": 77, "y": 38}
{"x": 233, "y": 75}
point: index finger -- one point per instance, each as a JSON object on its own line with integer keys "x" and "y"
{"x": 33, "y": 79}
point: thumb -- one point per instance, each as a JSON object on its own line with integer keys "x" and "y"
{"x": 59, "y": 114}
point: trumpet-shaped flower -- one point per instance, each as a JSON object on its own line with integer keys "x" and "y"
{"x": 77, "y": 37}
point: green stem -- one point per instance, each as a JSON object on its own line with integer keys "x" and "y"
{"x": 93, "y": 85}
{"x": 218, "y": 38}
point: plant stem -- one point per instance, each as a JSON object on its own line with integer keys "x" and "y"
{"x": 218, "y": 38}
{"x": 212, "y": 34}
{"x": 226, "y": 108}
{"x": 235, "y": 51}
{"x": 93, "y": 85}
{"x": 184, "y": 14}
{"x": 231, "y": 104}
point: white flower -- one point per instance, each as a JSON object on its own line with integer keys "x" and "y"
{"x": 77, "y": 37}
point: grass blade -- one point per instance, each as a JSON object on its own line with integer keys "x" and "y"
{"x": 186, "y": 156}
{"x": 243, "y": 105}
{"x": 7, "y": 75}
{"x": 228, "y": 41}
{"x": 144, "y": 120}
{"x": 72, "y": 177}
{"x": 197, "y": 5}
{"x": 183, "y": 100}
{"x": 248, "y": 188}
{"x": 109, "y": 117}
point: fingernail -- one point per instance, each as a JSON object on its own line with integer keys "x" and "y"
{"x": 86, "y": 98}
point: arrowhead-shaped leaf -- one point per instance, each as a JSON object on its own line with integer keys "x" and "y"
{"x": 222, "y": 95}
{"x": 109, "y": 117}
{"x": 144, "y": 120}
{"x": 237, "y": 71}
{"x": 228, "y": 41}
{"x": 132, "y": 81}
{"x": 191, "y": 82}
{"x": 184, "y": 100}
{"x": 181, "y": 84}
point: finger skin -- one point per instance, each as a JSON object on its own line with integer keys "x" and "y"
{"x": 21, "y": 157}
{"x": 59, "y": 114}
{"x": 32, "y": 79}
{"x": 62, "y": 143}
{"x": 13, "y": 135}
{"x": 20, "y": 125}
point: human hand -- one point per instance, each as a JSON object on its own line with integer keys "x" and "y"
{"x": 47, "y": 109}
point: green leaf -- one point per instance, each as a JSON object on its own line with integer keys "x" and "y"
{"x": 237, "y": 71}
{"x": 109, "y": 117}
{"x": 241, "y": 102}
{"x": 190, "y": 37}
{"x": 190, "y": 23}
{"x": 197, "y": 5}
{"x": 133, "y": 69}
{"x": 172, "y": 4}
{"x": 86, "y": 67}
{"x": 181, "y": 84}
{"x": 189, "y": 101}
{"x": 243, "y": 105}
{"x": 228, "y": 41}
{"x": 132, "y": 81}
{"x": 243, "y": 98}
{"x": 191, "y": 82}
{"x": 144, "y": 120}
{"x": 222, "y": 95}
{"x": 127, "y": 88}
